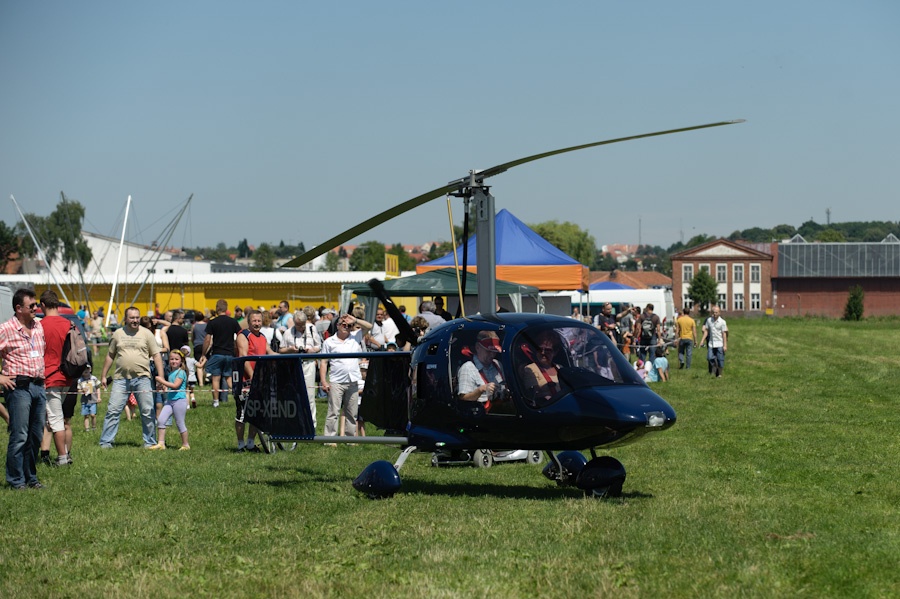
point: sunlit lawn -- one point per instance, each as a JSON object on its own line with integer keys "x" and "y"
{"x": 779, "y": 480}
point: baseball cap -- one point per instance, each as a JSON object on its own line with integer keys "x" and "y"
{"x": 489, "y": 341}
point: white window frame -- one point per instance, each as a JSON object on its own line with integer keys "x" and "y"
{"x": 755, "y": 273}
{"x": 722, "y": 301}
{"x": 721, "y": 273}
{"x": 704, "y": 267}
{"x": 755, "y": 301}
{"x": 739, "y": 302}
{"x": 737, "y": 273}
{"x": 687, "y": 273}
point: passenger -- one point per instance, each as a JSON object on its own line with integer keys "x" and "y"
{"x": 481, "y": 379}
{"x": 541, "y": 378}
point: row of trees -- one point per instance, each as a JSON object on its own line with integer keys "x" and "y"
{"x": 59, "y": 234}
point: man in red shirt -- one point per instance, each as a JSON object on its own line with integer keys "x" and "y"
{"x": 57, "y": 386}
{"x": 22, "y": 380}
{"x": 251, "y": 342}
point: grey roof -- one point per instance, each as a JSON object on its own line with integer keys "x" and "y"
{"x": 839, "y": 259}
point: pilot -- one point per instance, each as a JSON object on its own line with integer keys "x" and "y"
{"x": 481, "y": 379}
{"x": 541, "y": 377}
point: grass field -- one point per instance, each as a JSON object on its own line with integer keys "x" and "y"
{"x": 781, "y": 479}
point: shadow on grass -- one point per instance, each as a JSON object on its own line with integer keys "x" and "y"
{"x": 305, "y": 476}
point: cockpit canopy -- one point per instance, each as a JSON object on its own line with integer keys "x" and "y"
{"x": 543, "y": 363}
{"x": 551, "y": 361}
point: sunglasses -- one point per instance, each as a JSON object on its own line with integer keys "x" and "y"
{"x": 30, "y": 306}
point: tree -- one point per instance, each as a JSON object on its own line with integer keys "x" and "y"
{"x": 783, "y": 232}
{"x": 9, "y": 244}
{"x": 264, "y": 258}
{"x": 59, "y": 234}
{"x": 406, "y": 261}
{"x": 809, "y": 229}
{"x": 570, "y": 238}
{"x": 830, "y": 235}
{"x": 699, "y": 239}
{"x": 441, "y": 249}
{"x": 332, "y": 261}
{"x": 243, "y": 248}
{"x": 368, "y": 256}
{"x": 604, "y": 261}
{"x": 854, "y": 308}
{"x": 703, "y": 291}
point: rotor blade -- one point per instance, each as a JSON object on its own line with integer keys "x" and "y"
{"x": 341, "y": 238}
{"x": 496, "y": 170}
{"x": 462, "y": 183}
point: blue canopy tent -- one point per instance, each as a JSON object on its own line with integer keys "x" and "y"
{"x": 523, "y": 256}
{"x": 607, "y": 285}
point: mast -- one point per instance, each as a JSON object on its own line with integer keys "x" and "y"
{"x": 112, "y": 293}
{"x": 160, "y": 246}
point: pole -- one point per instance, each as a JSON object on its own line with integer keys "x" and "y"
{"x": 112, "y": 292}
{"x": 485, "y": 250}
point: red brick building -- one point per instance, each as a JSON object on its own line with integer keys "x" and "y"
{"x": 743, "y": 276}
{"x": 816, "y": 278}
{"x": 794, "y": 278}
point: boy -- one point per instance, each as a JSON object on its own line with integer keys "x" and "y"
{"x": 89, "y": 387}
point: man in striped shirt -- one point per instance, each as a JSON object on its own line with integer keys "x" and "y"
{"x": 22, "y": 378}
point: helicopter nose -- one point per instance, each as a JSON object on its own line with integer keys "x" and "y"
{"x": 636, "y": 406}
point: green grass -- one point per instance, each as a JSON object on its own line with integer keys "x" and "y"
{"x": 779, "y": 480}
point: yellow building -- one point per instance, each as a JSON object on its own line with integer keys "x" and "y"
{"x": 200, "y": 292}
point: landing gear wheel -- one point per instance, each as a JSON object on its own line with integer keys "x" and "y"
{"x": 483, "y": 458}
{"x": 284, "y": 446}
{"x": 535, "y": 457}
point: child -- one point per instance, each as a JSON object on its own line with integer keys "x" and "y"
{"x": 639, "y": 368}
{"x": 176, "y": 400}
{"x": 89, "y": 387}
{"x": 191, "y": 365}
{"x": 659, "y": 369}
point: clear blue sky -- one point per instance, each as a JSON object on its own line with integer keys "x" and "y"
{"x": 294, "y": 120}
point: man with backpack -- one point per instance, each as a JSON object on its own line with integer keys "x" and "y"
{"x": 647, "y": 332}
{"x": 57, "y": 383}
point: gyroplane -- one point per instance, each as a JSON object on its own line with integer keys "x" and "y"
{"x": 492, "y": 382}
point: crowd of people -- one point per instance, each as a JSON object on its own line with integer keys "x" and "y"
{"x": 156, "y": 365}
{"x": 640, "y": 337}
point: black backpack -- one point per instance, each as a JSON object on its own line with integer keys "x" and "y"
{"x": 647, "y": 328}
{"x": 74, "y": 357}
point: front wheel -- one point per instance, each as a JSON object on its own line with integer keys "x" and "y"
{"x": 483, "y": 458}
{"x": 535, "y": 457}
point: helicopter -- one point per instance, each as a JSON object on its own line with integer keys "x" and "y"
{"x": 479, "y": 384}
